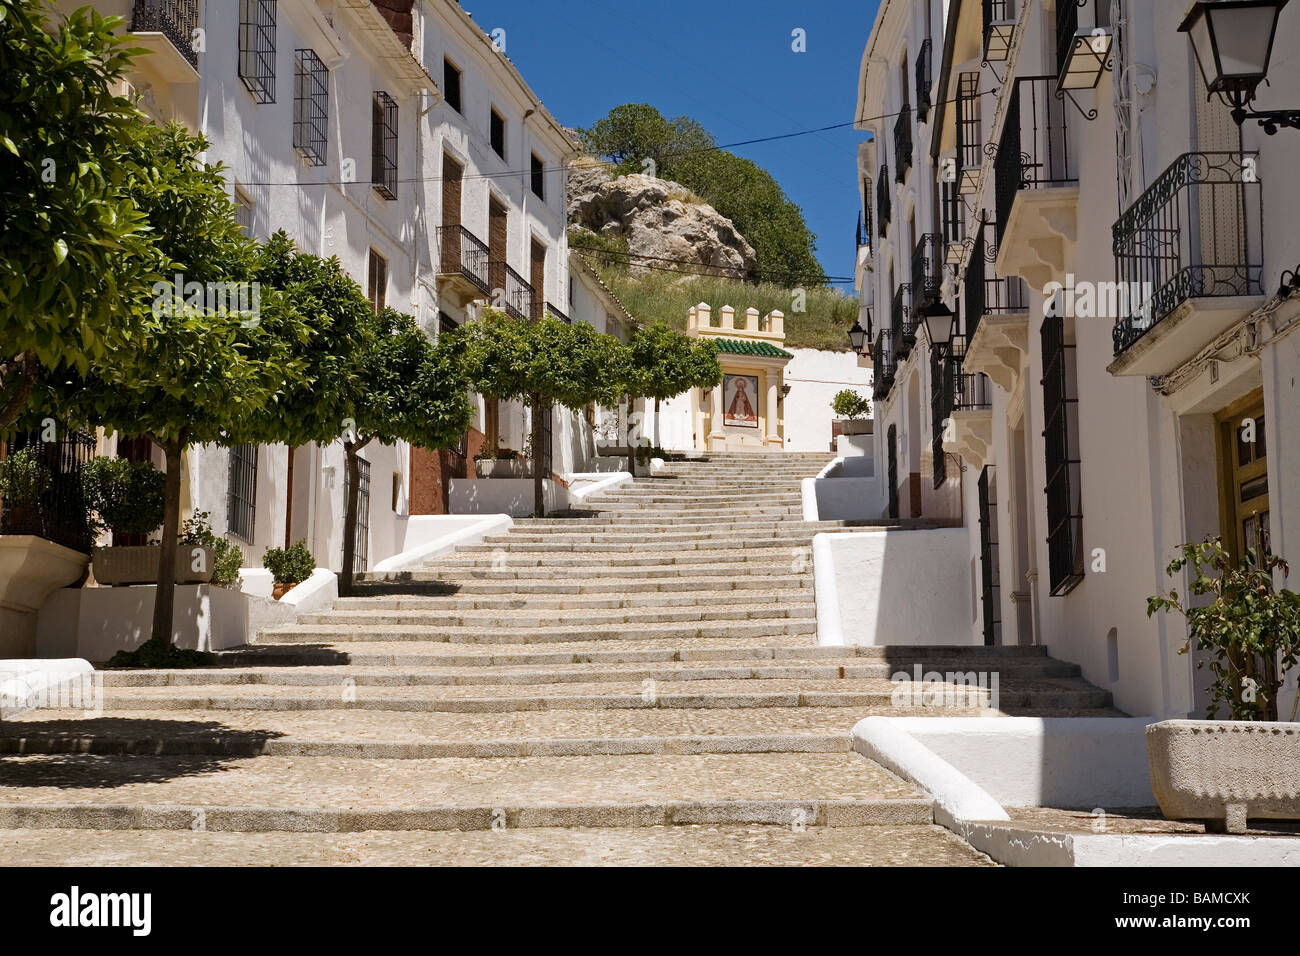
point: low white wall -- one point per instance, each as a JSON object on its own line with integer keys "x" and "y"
{"x": 893, "y": 587}
{"x": 847, "y": 489}
{"x": 853, "y": 445}
{"x": 1068, "y": 762}
{"x": 514, "y": 496}
{"x": 429, "y": 536}
{"x": 30, "y": 684}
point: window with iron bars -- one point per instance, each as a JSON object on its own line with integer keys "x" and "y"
{"x": 361, "y": 542}
{"x": 882, "y": 200}
{"x": 383, "y": 145}
{"x": 257, "y": 48}
{"x": 310, "y": 106}
{"x": 1060, "y": 441}
{"x": 990, "y": 584}
{"x": 241, "y": 491}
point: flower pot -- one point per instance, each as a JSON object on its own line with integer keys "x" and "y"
{"x": 138, "y": 564}
{"x": 503, "y": 468}
{"x": 1225, "y": 771}
{"x": 856, "y": 426}
{"x": 281, "y": 588}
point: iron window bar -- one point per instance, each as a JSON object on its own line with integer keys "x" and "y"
{"x": 241, "y": 491}
{"x": 892, "y": 451}
{"x": 383, "y": 157}
{"x": 990, "y": 589}
{"x": 924, "y": 84}
{"x": 903, "y": 327}
{"x": 1034, "y": 151}
{"x": 927, "y": 269}
{"x": 903, "y": 144}
{"x": 175, "y": 19}
{"x": 257, "y": 48}
{"x": 462, "y": 253}
{"x": 883, "y": 210}
{"x": 984, "y": 293}
{"x": 1197, "y": 231}
{"x": 968, "y": 391}
{"x": 970, "y": 136}
{"x": 310, "y": 106}
{"x": 516, "y": 293}
{"x": 940, "y": 411}
{"x": 882, "y": 355}
{"x": 361, "y": 540}
{"x": 1060, "y": 441}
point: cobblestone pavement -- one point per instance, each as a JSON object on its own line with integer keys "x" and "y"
{"x": 639, "y": 684}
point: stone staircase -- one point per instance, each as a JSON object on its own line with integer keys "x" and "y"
{"x": 636, "y": 683}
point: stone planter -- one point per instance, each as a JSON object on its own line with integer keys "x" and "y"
{"x": 503, "y": 468}
{"x": 1225, "y": 771}
{"x": 856, "y": 426}
{"x": 138, "y": 564}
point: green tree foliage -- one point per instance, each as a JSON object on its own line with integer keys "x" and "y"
{"x": 406, "y": 388}
{"x": 683, "y": 151}
{"x": 544, "y": 363}
{"x": 849, "y": 404}
{"x": 72, "y": 244}
{"x": 661, "y": 363}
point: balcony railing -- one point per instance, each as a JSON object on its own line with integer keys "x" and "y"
{"x": 986, "y": 294}
{"x": 518, "y": 294}
{"x": 970, "y": 133}
{"x": 175, "y": 19}
{"x": 999, "y": 24}
{"x": 923, "y": 81}
{"x": 927, "y": 269}
{"x": 902, "y": 144}
{"x": 883, "y": 365}
{"x": 882, "y": 199}
{"x": 970, "y": 391}
{"x": 555, "y": 311}
{"x": 903, "y": 322}
{"x": 864, "y": 227}
{"x": 1196, "y": 231}
{"x": 1034, "y": 152}
{"x": 58, "y": 513}
{"x": 463, "y": 254}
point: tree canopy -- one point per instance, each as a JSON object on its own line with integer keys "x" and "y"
{"x": 684, "y": 151}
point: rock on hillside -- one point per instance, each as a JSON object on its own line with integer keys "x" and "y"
{"x": 658, "y": 218}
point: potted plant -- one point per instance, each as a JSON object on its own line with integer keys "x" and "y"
{"x": 227, "y": 558}
{"x": 1225, "y": 771}
{"x": 127, "y": 498}
{"x": 288, "y": 566}
{"x": 23, "y": 479}
{"x": 849, "y": 405}
{"x": 505, "y": 463}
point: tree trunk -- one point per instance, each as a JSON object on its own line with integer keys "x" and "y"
{"x": 539, "y": 489}
{"x": 657, "y": 439}
{"x": 350, "y": 515}
{"x": 288, "y": 502}
{"x": 164, "y": 600}
{"x": 22, "y": 369}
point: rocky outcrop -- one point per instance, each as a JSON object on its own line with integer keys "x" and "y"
{"x": 661, "y": 220}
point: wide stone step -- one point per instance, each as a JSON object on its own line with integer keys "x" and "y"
{"x": 617, "y": 540}
{"x": 466, "y": 583}
{"x": 734, "y": 845}
{"x": 500, "y": 558}
{"x": 533, "y": 602}
{"x": 452, "y": 570}
{"x": 328, "y": 794}
{"x": 539, "y": 618}
{"x": 350, "y": 633}
{"x": 592, "y": 523}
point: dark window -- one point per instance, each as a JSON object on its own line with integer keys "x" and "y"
{"x": 310, "y": 106}
{"x": 451, "y": 85}
{"x": 1060, "y": 440}
{"x": 257, "y": 48}
{"x": 539, "y": 178}
{"x": 892, "y": 472}
{"x": 989, "y": 582}
{"x": 241, "y": 491}
{"x": 244, "y": 211}
{"x": 362, "y": 539}
{"x": 497, "y": 133}
{"x": 446, "y": 323}
{"x": 377, "y": 281}
{"x": 383, "y": 145}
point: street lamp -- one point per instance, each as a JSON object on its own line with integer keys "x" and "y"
{"x": 939, "y": 323}
{"x": 1233, "y": 42}
{"x": 859, "y": 337}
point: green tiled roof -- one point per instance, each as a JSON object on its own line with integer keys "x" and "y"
{"x": 765, "y": 349}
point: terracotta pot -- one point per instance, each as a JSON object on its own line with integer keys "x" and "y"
{"x": 1225, "y": 771}
{"x": 281, "y": 588}
{"x": 138, "y": 564}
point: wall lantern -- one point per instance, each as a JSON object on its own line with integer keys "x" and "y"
{"x": 1233, "y": 42}
{"x": 859, "y": 337}
{"x": 939, "y": 323}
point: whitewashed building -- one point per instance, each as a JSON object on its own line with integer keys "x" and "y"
{"x": 1122, "y": 377}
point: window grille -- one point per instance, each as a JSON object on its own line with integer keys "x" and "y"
{"x": 241, "y": 491}
{"x": 310, "y": 106}
{"x": 1060, "y": 439}
{"x": 383, "y": 139}
{"x": 257, "y": 48}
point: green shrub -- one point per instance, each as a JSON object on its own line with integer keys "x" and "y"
{"x": 289, "y": 565}
{"x": 169, "y": 656}
{"x": 23, "y": 478}
{"x": 849, "y": 404}
{"x": 125, "y": 497}
{"x": 227, "y": 558}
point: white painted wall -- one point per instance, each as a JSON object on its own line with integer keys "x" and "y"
{"x": 814, "y": 376}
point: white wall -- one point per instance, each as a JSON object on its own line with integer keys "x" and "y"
{"x": 814, "y": 376}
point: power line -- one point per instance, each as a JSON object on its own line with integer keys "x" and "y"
{"x": 672, "y": 155}
{"x": 687, "y": 267}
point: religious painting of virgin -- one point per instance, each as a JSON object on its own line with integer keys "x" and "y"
{"x": 740, "y": 400}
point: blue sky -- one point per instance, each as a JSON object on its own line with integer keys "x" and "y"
{"x": 727, "y": 64}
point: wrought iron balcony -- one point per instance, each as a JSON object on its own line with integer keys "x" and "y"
{"x": 1195, "y": 232}
{"x": 463, "y": 255}
{"x": 883, "y": 210}
{"x": 553, "y": 310}
{"x": 902, "y": 144}
{"x": 999, "y": 26}
{"x": 518, "y": 295}
{"x": 883, "y": 365}
{"x": 175, "y": 19}
{"x": 970, "y": 132}
{"x": 1034, "y": 152}
{"x": 985, "y": 293}
{"x": 927, "y": 269}
{"x": 58, "y": 513}
{"x": 970, "y": 391}
{"x": 903, "y": 322}
{"x": 923, "y": 81}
